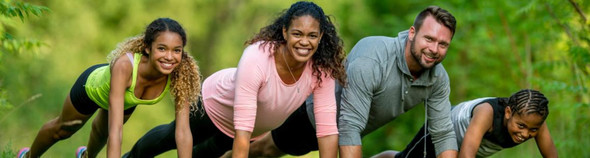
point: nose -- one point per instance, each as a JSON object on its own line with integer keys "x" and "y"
{"x": 526, "y": 134}
{"x": 304, "y": 41}
{"x": 168, "y": 54}
{"x": 433, "y": 47}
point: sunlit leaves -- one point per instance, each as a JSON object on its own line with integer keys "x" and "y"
{"x": 21, "y": 9}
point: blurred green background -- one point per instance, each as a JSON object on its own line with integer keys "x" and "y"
{"x": 499, "y": 47}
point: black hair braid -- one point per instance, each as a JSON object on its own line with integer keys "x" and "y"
{"x": 529, "y": 101}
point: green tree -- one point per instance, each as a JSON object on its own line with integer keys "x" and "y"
{"x": 14, "y": 45}
{"x": 10, "y": 44}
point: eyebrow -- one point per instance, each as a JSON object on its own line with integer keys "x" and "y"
{"x": 293, "y": 29}
{"x": 526, "y": 126}
{"x": 436, "y": 39}
{"x": 160, "y": 44}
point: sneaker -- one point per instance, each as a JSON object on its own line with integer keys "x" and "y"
{"x": 80, "y": 151}
{"x": 22, "y": 152}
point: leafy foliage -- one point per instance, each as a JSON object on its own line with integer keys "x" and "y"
{"x": 499, "y": 48}
{"x": 10, "y": 9}
{"x": 6, "y": 151}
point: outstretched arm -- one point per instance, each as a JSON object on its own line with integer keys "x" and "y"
{"x": 481, "y": 122}
{"x": 545, "y": 143}
{"x": 325, "y": 117}
{"x": 439, "y": 122}
{"x": 364, "y": 76}
{"x": 183, "y": 135}
{"x": 120, "y": 75}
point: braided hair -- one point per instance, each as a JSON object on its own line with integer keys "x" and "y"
{"x": 527, "y": 101}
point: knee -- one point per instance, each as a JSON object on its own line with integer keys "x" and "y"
{"x": 67, "y": 129}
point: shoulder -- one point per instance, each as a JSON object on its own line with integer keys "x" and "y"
{"x": 483, "y": 109}
{"x": 439, "y": 73}
{"x": 256, "y": 53}
{"x": 375, "y": 42}
{"x": 122, "y": 65}
{"x": 258, "y": 48}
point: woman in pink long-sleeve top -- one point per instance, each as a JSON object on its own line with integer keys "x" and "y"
{"x": 298, "y": 55}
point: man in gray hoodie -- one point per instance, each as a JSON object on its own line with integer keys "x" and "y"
{"x": 386, "y": 77}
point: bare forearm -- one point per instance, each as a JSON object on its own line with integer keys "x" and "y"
{"x": 351, "y": 151}
{"x": 184, "y": 142}
{"x": 328, "y": 146}
{"x": 448, "y": 154}
{"x": 183, "y": 135}
{"x": 115, "y": 132}
{"x": 241, "y": 144}
{"x": 114, "y": 143}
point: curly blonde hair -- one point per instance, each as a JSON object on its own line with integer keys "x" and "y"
{"x": 185, "y": 78}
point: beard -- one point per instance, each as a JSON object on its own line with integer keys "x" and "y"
{"x": 418, "y": 56}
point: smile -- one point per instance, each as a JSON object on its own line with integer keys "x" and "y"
{"x": 520, "y": 139}
{"x": 430, "y": 57}
{"x": 303, "y": 51}
{"x": 167, "y": 66}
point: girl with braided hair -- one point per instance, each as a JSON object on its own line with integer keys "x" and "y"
{"x": 141, "y": 70}
{"x": 487, "y": 125}
{"x": 298, "y": 55}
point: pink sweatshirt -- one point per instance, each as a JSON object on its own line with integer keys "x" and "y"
{"x": 253, "y": 97}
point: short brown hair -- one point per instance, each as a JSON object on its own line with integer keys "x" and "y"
{"x": 442, "y": 16}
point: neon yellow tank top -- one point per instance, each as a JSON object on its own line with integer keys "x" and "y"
{"x": 98, "y": 86}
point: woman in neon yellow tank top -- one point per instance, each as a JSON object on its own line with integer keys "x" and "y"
{"x": 158, "y": 64}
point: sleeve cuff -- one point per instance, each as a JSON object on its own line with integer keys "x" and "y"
{"x": 448, "y": 144}
{"x": 349, "y": 139}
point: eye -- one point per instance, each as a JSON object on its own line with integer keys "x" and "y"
{"x": 444, "y": 45}
{"x": 534, "y": 129}
{"x": 178, "y": 50}
{"x": 296, "y": 34}
{"x": 161, "y": 48}
{"x": 429, "y": 39}
{"x": 520, "y": 126}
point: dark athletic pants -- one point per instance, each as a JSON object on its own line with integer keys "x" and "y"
{"x": 208, "y": 141}
{"x": 416, "y": 146}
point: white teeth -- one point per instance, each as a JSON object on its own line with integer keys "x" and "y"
{"x": 430, "y": 56}
{"x": 520, "y": 139}
{"x": 303, "y": 50}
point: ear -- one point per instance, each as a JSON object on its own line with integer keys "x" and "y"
{"x": 284, "y": 33}
{"x": 411, "y": 33}
{"x": 147, "y": 50}
{"x": 507, "y": 112}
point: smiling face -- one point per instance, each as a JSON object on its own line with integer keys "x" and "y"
{"x": 165, "y": 53}
{"x": 522, "y": 127}
{"x": 303, "y": 37}
{"x": 428, "y": 46}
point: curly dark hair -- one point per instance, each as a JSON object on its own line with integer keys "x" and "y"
{"x": 330, "y": 54}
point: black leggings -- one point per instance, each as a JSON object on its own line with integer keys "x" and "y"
{"x": 208, "y": 141}
{"x": 416, "y": 147}
{"x": 79, "y": 97}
